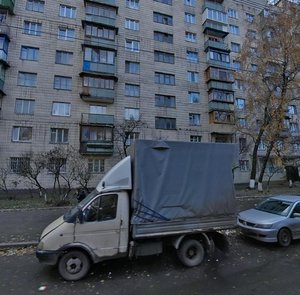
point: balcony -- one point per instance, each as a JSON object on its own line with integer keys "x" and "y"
{"x": 4, "y": 29}
{"x": 221, "y": 117}
{"x": 217, "y": 45}
{"x": 97, "y": 119}
{"x": 105, "y": 2}
{"x": 219, "y": 75}
{"x": 99, "y": 68}
{"x": 219, "y": 64}
{"x": 219, "y": 85}
{"x": 7, "y": 4}
{"x": 220, "y": 106}
{"x": 92, "y": 94}
{"x": 214, "y": 6}
{"x": 111, "y": 22}
{"x": 100, "y": 148}
{"x": 215, "y": 29}
{"x": 99, "y": 42}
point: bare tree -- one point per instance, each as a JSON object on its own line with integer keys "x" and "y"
{"x": 270, "y": 61}
{"x": 3, "y": 179}
{"x": 124, "y": 132}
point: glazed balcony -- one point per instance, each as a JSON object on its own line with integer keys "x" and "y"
{"x": 215, "y": 29}
{"x": 217, "y": 45}
{"x": 7, "y": 4}
{"x": 99, "y": 42}
{"x": 221, "y": 117}
{"x": 213, "y": 5}
{"x": 219, "y": 74}
{"x": 111, "y": 22}
{"x": 97, "y": 147}
{"x": 100, "y": 68}
{"x": 92, "y": 94}
{"x": 220, "y": 85}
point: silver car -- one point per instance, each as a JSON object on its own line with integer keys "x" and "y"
{"x": 277, "y": 219}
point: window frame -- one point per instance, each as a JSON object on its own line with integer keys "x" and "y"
{"x": 61, "y": 109}
{"x": 27, "y": 51}
{"x": 26, "y": 106}
{"x": 18, "y": 134}
{"x": 62, "y": 83}
{"x": 67, "y": 11}
{"x": 59, "y": 135}
{"x": 27, "y": 79}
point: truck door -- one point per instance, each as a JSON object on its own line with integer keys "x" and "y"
{"x": 100, "y": 229}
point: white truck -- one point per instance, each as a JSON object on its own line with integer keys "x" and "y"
{"x": 166, "y": 193}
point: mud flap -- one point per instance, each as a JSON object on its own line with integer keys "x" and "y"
{"x": 220, "y": 241}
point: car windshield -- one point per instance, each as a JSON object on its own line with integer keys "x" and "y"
{"x": 274, "y": 206}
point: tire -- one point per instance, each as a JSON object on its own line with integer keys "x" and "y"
{"x": 191, "y": 253}
{"x": 74, "y": 265}
{"x": 284, "y": 237}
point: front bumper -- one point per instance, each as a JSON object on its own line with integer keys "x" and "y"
{"x": 48, "y": 257}
{"x": 260, "y": 234}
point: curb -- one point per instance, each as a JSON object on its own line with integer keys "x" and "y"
{"x": 18, "y": 244}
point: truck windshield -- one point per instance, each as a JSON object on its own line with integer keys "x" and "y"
{"x": 71, "y": 215}
{"x": 278, "y": 207}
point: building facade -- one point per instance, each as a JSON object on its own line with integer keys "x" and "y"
{"x": 71, "y": 71}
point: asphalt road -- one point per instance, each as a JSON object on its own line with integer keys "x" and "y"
{"x": 249, "y": 268}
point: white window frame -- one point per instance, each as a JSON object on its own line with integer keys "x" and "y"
{"x": 133, "y": 4}
{"x": 132, "y": 45}
{"x": 193, "y": 77}
{"x": 192, "y": 56}
{"x": 27, "y": 79}
{"x": 193, "y": 97}
{"x": 194, "y": 119}
{"x": 24, "y": 106}
{"x": 66, "y": 34}
{"x": 195, "y": 138}
{"x": 190, "y": 3}
{"x": 59, "y": 135}
{"x": 62, "y": 109}
{"x": 132, "y": 114}
{"x": 32, "y": 28}
{"x": 96, "y": 166}
{"x": 62, "y": 83}
{"x": 190, "y": 18}
{"x": 132, "y": 24}
{"x": 35, "y": 5}
{"x": 29, "y": 53}
{"x": 18, "y": 134}
{"x": 191, "y": 37}
{"x": 67, "y": 11}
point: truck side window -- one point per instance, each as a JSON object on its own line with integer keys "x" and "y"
{"x": 102, "y": 208}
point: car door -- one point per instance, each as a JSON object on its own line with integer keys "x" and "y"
{"x": 100, "y": 229}
{"x": 295, "y": 221}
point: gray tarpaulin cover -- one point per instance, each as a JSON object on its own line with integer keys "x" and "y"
{"x": 177, "y": 180}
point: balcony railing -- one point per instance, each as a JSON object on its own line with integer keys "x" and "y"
{"x": 220, "y": 85}
{"x": 220, "y": 106}
{"x": 106, "y": 2}
{"x": 221, "y": 117}
{"x": 215, "y": 29}
{"x": 98, "y": 95}
{"x": 97, "y": 147}
{"x": 214, "y": 44}
{"x": 100, "y": 20}
{"x": 93, "y": 67}
{"x": 7, "y": 4}
{"x": 93, "y": 41}
{"x": 97, "y": 119}
{"x": 213, "y": 5}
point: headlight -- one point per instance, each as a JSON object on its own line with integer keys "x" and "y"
{"x": 266, "y": 226}
{"x": 40, "y": 245}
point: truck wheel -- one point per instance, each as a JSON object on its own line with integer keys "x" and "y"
{"x": 191, "y": 253}
{"x": 284, "y": 237}
{"x": 74, "y": 265}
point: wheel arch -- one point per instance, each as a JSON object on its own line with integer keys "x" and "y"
{"x": 79, "y": 247}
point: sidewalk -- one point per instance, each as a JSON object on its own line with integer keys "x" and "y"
{"x": 23, "y": 227}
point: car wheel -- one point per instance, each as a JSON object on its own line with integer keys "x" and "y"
{"x": 74, "y": 265}
{"x": 191, "y": 253}
{"x": 284, "y": 237}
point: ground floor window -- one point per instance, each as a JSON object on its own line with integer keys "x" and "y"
{"x": 96, "y": 165}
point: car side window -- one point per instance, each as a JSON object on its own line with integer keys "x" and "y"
{"x": 297, "y": 209}
{"x": 102, "y": 208}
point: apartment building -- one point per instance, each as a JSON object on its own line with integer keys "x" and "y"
{"x": 70, "y": 71}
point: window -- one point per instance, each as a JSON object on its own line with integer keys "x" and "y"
{"x": 163, "y": 78}
{"x": 96, "y": 165}
{"x": 35, "y": 5}
{"x": 27, "y": 79}
{"x": 132, "y": 24}
{"x": 24, "y": 106}
{"x": 164, "y": 57}
{"x": 66, "y": 34}
{"x": 100, "y": 10}
{"x": 22, "y": 134}
{"x": 61, "y": 109}
{"x": 193, "y": 77}
{"x": 232, "y": 13}
{"x": 195, "y": 138}
{"x": 220, "y": 95}
{"x": 102, "y": 208}
{"x": 240, "y": 103}
{"x": 62, "y": 83}
{"x": 132, "y": 90}
{"x": 132, "y": 45}
{"x": 19, "y": 164}
{"x": 64, "y": 57}
{"x": 163, "y": 37}
{"x": 100, "y": 56}
{"x": 32, "y": 28}
{"x": 67, "y": 11}
{"x": 262, "y": 146}
{"x": 235, "y": 30}
{"x": 59, "y": 135}
{"x": 95, "y": 109}
{"x": 235, "y": 47}
{"x": 251, "y": 34}
{"x": 249, "y": 17}
{"x": 131, "y": 137}
{"x": 167, "y": 101}
{"x": 190, "y": 18}
{"x": 190, "y": 37}
{"x": 192, "y": 56}
{"x": 296, "y": 146}
{"x": 96, "y": 133}
{"x": 244, "y": 165}
{"x": 193, "y": 97}
{"x": 194, "y": 119}
{"x": 169, "y": 2}
{"x": 99, "y": 31}
{"x": 294, "y": 127}
{"x": 132, "y": 114}
{"x": 243, "y": 144}
{"x": 29, "y": 53}
{"x": 236, "y": 65}
{"x": 242, "y": 122}
{"x": 218, "y": 56}
{"x": 292, "y": 110}
{"x": 239, "y": 85}
{"x": 132, "y": 67}
{"x": 4, "y": 41}
{"x": 101, "y": 83}
{"x": 165, "y": 123}
{"x": 133, "y": 4}
{"x": 162, "y": 18}
{"x": 216, "y": 15}
{"x": 190, "y": 2}
{"x": 57, "y": 165}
